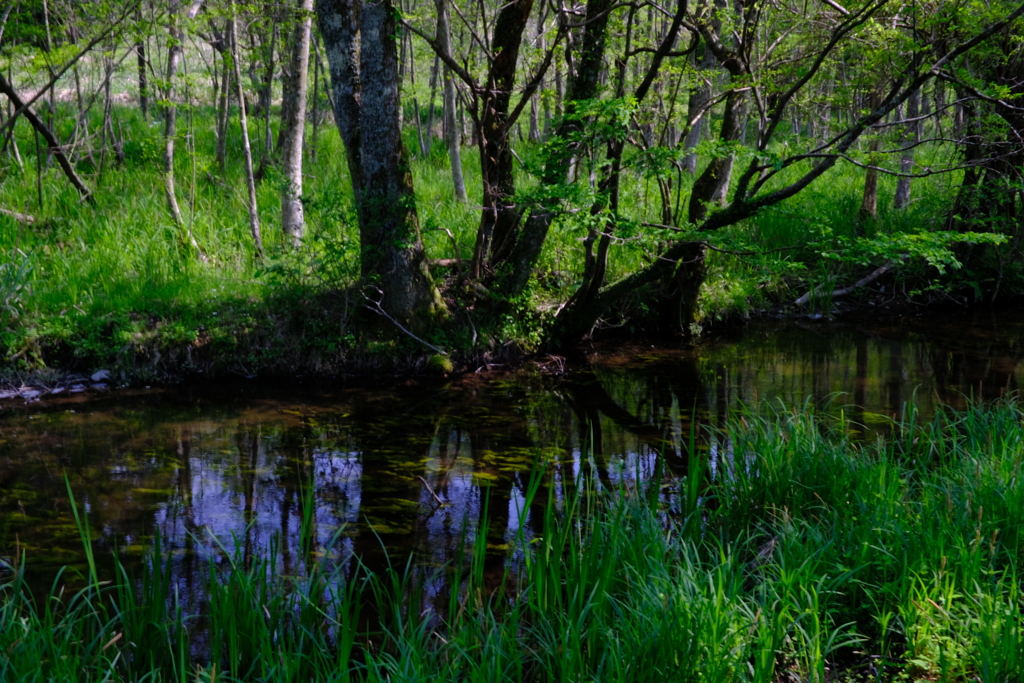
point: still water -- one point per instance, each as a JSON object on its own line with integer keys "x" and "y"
{"x": 415, "y": 468}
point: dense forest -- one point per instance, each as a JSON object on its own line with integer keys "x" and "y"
{"x": 281, "y": 187}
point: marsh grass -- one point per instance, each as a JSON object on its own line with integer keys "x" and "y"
{"x": 798, "y": 551}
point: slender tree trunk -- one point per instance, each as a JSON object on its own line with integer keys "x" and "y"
{"x": 293, "y": 128}
{"x": 409, "y": 60}
{"x": 171, "y": 119}
{"x": 869, "y": 203}
{"x": 224, "y": 105}
{"x": 317, "y": 70}
{"x": 268, "y": 96}
{"x": 107, "y": 128}
{"x": 250, "y": 180}
{"x": 52, "y": 109}
{"x": 434, "y": 75}
{"x": 452, "y": 129}
{"x": 582, "y": 86}
{"x": 140, "y": 53}
{"x": 911, "y": 133}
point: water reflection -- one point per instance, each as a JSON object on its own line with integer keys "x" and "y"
{"x": 423, "y": 467}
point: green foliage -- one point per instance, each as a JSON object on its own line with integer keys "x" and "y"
{"x": 15, "y": 277}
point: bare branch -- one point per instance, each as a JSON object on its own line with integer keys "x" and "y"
{"x": 843, "y": 291}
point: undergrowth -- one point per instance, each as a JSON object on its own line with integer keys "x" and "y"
{"x": 114, "y": 285}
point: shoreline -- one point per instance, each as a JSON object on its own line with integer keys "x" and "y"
{"x": 25, "y": 386}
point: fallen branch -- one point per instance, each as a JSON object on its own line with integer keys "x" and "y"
{"x": 843, "y": 291}
{"x": 376, "y": 308}
{"x": 54, "y": 146}
{"x": 20, "y": 217}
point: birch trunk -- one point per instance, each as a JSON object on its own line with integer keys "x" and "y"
{"x": 452, "y": 130}
{"x": 293, "y": 126}
{"x": 250, "y": 181}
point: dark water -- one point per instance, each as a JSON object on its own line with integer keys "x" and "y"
{"x": 232, "y": 461}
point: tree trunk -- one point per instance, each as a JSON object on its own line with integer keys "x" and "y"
{"x": 140, "y": 53}
{"x": 250, "y": 181}
{"x": 500, "y": 216}
{"x": 224, "y": 104}
{"x": 713, "y": 184}
{"x": 452, "y": 131}
{"x": 293, "y": 121}
{"x": 434, "y": 75}
{"x": 363, "y": 58}
{"x": 582, "y": 86}
{"x": 171, "y": 120}
{"x": 267, "y": 96}
{"x": 410, "y": 60}
{"x": 339, "y": 29}
{"x": 316, "y": 103}
{"x": 41, "y": 129}
{"x": 911, "y": 133}
{"x": 869, "y": 203}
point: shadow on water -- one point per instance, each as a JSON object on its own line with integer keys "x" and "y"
{"x": 421, "y": 468}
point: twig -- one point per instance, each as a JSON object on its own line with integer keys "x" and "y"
{"x": 20, "y": 217}
{"x": 376, "y": 308}
{"x": 431, "y": 491}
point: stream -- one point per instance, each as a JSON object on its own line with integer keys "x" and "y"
{"x": 414, "y": 468}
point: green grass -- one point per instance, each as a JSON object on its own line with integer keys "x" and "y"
{"x": 113, "y": 285}
{"x": 791, "y": 551}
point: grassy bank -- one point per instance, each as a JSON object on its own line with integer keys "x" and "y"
{"x": 792, "y": 551}
{"x": 115, "y": 285}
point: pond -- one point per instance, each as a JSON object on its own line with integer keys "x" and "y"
{"x": 416, "y": 468}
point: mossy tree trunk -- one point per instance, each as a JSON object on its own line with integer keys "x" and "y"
{"x": 361, "y": 45}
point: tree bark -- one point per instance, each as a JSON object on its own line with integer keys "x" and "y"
{"x": 869, "y": 202}
{"x": 700, "y": 93}
{"x": 582, "y": 86}
{"x": 250, "y": 181}
{"x": 500, "y": 216}
{"x": 140, "y": 52}
{"x": 339, "y": 29}
{"x": 293, "y": 121}
{"x": 911, "y": 133}
{"x": 224, "y": 103}
{"x": 452, "y": 132}
{"x": 363, "y": 58}
{"x": 171, "y": 118}
{"x": 713, "y": 184}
